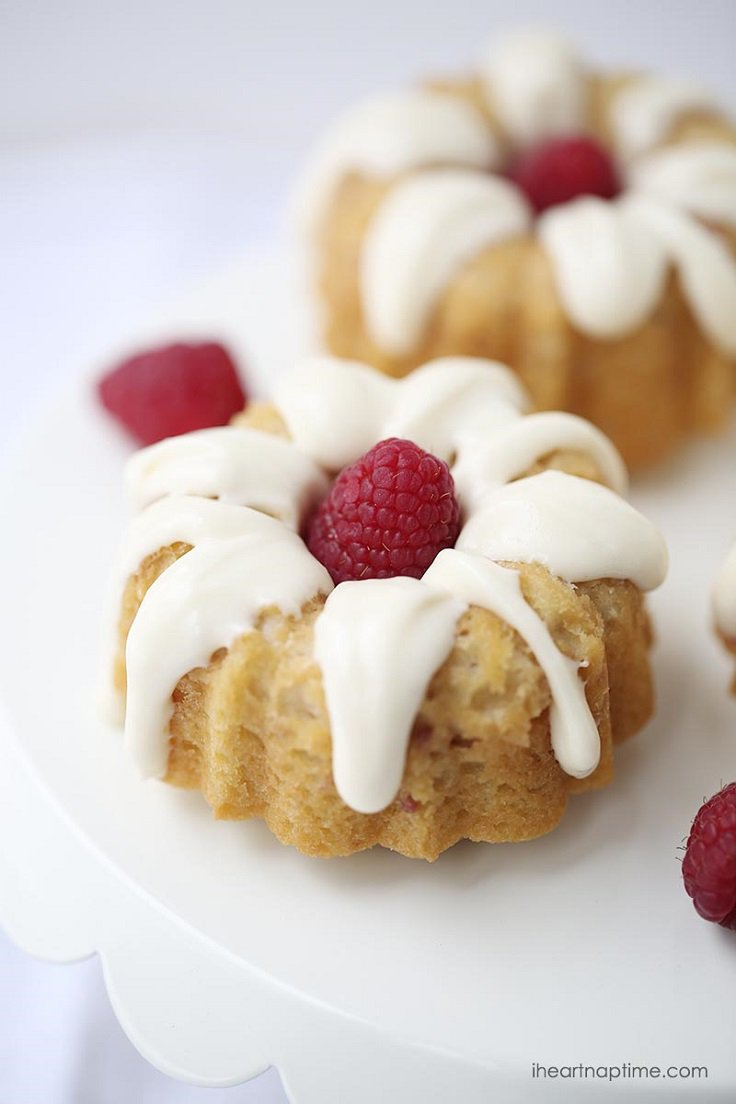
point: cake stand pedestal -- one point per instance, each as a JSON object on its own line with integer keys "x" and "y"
{"x": 375, "y": 977}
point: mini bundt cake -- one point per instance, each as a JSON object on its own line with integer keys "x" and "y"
{"x": 487, "y": 643}
{"x": 580, "y": 227}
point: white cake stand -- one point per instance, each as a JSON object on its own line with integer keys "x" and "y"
{"x": 370, "y": 978}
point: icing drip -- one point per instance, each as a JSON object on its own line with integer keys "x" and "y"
{"x": 334, "y": 408}
{"x": 189, "y": 520}
{"x": 704, "y": 263}
{"x": 462, "y": 409}
{"x": 644, "y": 111}
{"x": 170, "y": 520}
{"x": 700, "y": 178}
{"x": 337, "y": 409}
{"x": 610, "y": 262}
{"x": 406, "y": 631}
{"x": 479, "y": 582}
{"x": 515, "y": 447}
{"x": 242, "y": 466}
{"x": 579, "y": 530}
{"x": 536, "y": 85}
{"x": 426, "y": 229}
{"x": 608, "y": 269}
{"x": 454, "y": 400}
{"x": 389, "y": 135}
{"x": 205, "y": 601}
{"x": 724, "y": 597}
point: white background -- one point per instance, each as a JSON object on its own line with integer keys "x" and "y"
{"x": 141, "y": 146}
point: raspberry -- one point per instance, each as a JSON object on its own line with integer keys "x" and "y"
{"x": 561, "y": 169}
{"x": 175, "y": 389}
{"x": 709, "y": 866}
{"x": 387, "y": 514}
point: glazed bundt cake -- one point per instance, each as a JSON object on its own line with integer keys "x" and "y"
{"x": 579, "y": 226}
{"x": 426, "y": 696}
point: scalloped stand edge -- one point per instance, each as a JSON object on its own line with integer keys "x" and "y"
{"x": 192, "y": 1009}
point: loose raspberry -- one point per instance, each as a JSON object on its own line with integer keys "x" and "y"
{"x": 561, "y": 169}
{"x": 387, "y": 514}
{"x": 172, "y": 390}
{"x": 709, "y": 866}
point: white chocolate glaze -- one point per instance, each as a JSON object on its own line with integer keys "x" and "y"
{"x": 333, "y": 408}
{"x": 450, "y": 397}
{"x": 516, "y": 446}
{"x": 480, "y": 582}
{"x": 645, "y": 109}
{"x": 187, "y": 519}
{"x": 426, "y": 229}
{"x": 724, "y": 597}
{"x": 407, "y": 629}
{"x": 536, "y": 85}
{"x": 698, "y": 177}
{"x": 204, "y": 601}
{"x": 391, "y": 134}
{"x": 464, "y": 409}
{"x": 174, "y": 519}
{"x": 705, "y": 265}
{"x": 243, "y": 562}
{"x": 233, "y": 464}
{"x": 578, "y": 529}
{"x": 407, "y": 632}
{"x": 609, "y": 270}
{"x": 610, "y": 261}
{"x": 336, "y": 409}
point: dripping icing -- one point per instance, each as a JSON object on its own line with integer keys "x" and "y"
{"x": 407, "y": 629}
{"x": 231, "y": 463}
{"x": 537, "y": 86}
{"x": 609, "y": 270}
{"x": 388, "y": 135}
{"x": 426, "y": 229}
{"x": 644, "y": 111}
{"x": 199, "y": 604}
{"x": 577, "y": 529}
{"x": 699, "y": 177}
{"x": 480, "y": 582}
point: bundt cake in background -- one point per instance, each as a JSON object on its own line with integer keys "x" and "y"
{"x": 579, "y": 226}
